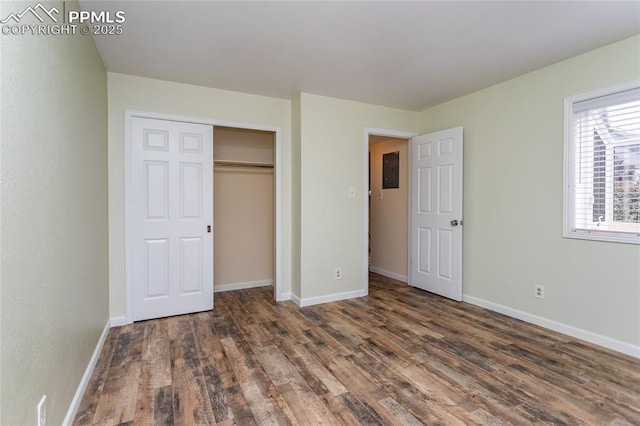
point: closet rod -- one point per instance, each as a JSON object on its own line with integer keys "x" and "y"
{"x": 242, "y": 164}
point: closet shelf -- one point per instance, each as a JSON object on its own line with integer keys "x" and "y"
{"x": 234, "y": 163}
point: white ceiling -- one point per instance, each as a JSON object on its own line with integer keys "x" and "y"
{"x": 410, "y": 55}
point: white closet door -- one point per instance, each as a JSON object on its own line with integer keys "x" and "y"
{"x": 171, "y": 258}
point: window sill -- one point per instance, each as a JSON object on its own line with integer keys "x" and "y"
{"x": 604, "y": 236}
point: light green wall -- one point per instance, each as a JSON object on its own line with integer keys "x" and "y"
{"x": 513, "y": 169}
{"x": 54, "y": 260}
{"x": 144, "y": 94}
{"x": 296, "y": 122}
{"x": 3, "y": 9}
{"x": 333, "y": 158}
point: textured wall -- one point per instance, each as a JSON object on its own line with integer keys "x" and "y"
{"x": 54, "y": 259}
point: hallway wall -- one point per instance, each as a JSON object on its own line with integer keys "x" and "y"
{"x": 388, "y": 214}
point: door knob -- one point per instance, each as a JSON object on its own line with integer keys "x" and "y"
{"x": 454, "y": 222}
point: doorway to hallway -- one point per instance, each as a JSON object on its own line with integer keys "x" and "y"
{"x": 388, "y": 206}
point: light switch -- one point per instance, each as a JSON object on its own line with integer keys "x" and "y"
{"x": 380, "y": 195}
{"x": 352, "y": 192}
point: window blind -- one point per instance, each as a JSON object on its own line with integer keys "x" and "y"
{"x": 606, "y": 151}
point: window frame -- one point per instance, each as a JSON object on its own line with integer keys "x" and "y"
{"x": 614, "y": 232}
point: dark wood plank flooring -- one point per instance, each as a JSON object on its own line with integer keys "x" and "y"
{"x": 399, "y": 356}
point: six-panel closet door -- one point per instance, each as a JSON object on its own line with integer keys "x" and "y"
{"x": 171, "y": 254}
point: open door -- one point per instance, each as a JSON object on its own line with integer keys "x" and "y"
{"x": 435, "y": 219}
{"x": 171, "y": 253}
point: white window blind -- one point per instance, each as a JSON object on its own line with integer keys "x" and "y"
{"x": 602, "y": 166}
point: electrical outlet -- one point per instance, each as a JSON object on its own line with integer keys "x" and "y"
{"x": 338, "y": 273}
{"x": 42, "y": 411}
{"x": 538, "y": 291}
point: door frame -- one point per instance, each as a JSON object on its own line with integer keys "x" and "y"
{"x": 128, "y": 219}
{"x": 372, "y": 131}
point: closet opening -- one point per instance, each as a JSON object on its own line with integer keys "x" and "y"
{"x": 243, "y": 208}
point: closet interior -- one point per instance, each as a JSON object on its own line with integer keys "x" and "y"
{"x": 243, "y": 208}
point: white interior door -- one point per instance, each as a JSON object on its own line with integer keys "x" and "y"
{"x": 435, "y": 261}
{"x": 171, "y": 257}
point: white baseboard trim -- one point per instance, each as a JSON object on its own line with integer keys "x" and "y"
{"x": 283, "y": 296}
{"x": 84, "y": 382}
{"x": 330, "y": 298}
{"x": 217, "y": 288}
{"x": 295, "y": 299}
{"x": 402, "y": 278}
{"x": 118, "y": 321}
{"x": 607, "y": 342}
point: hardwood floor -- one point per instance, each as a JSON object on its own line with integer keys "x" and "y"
{"x": 399, "y": 356}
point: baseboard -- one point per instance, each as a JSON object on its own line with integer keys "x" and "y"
{"x": 402, "y": 278}
{"x": 118, "y": 321}
{"x": 84, "y": 382}
{"x": 330, "y": 298}
{"x": 607, "y": 342}
{"x": 283, "y": 296}
{"x": 217, "y": 288}
{"x": 295, "y": 299}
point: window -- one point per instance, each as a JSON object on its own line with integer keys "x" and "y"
{"x": 602, "y": 165}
